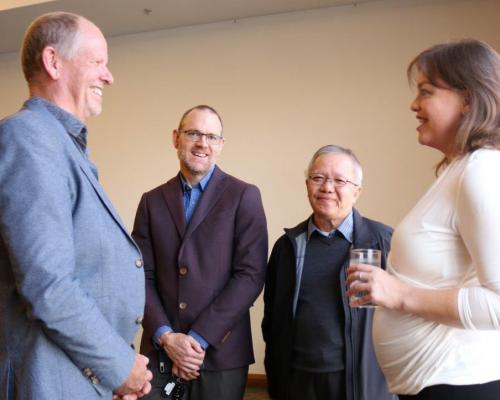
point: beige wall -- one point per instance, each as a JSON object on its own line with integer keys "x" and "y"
{"x": 284, "y": 85}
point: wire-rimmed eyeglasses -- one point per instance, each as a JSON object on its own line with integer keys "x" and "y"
{"x": 195, "y": 136}
{"x": 320, "y": 180}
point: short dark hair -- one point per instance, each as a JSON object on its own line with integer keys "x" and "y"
{"x": 471, "y": 67}
{"x": 199, "y": 107}
{"x": 58, "y": 29}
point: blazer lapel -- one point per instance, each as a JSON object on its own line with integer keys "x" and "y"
{"x": 213, "y": 192}
{"x": 79, "y": 158}
{"x": 103, "y": 197}
{"x": 172, "y": 194}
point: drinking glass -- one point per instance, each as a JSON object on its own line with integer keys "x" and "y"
{"x": 364, "y": 256}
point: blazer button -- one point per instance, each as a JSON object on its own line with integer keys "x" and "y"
{"x": 139, "y": 263}
{"x": 138, "y": 320}
{"x": 183, "y": 271}
{"x": 182, "y": 306}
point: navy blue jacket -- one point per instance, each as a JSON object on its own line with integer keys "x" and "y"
{"x": 364, "y": 379}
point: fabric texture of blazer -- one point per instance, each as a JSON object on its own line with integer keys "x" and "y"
{"x": 71, "y": 282}
{"x": 205, "y": 275}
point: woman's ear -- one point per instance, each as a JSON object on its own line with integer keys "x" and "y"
{"x": 465, "y": 102}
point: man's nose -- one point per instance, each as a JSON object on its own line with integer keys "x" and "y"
{"x": 107, "y": 76}
{"x": 202, "y": 140}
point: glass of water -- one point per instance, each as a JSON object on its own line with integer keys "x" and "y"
{"x": 364, "y": 256}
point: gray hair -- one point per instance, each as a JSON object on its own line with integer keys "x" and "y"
{"x": 57, "y": 29}
{"x": 335, "y": 149}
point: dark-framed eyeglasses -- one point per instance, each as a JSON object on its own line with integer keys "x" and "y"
{"x": 320, "y": 180}
{"x": 195, "y": 136}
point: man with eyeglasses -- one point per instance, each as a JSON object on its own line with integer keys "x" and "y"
{"x": 203, "y": 236}
{"x": 317, "y": 346}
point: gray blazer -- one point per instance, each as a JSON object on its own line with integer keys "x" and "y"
{"x": 71, "y": 277}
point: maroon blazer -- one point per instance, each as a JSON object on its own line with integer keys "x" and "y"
{"x": 206, "y": 275}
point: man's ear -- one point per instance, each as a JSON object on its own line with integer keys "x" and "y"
{"x": 175, "y": 138}
{"x": 358, "y": 193}
{"x": 51, "y": 62}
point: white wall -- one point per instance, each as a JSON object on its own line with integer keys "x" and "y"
{"x": 284, "y": 85}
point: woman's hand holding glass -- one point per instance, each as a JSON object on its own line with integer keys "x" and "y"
{"x": 377, "y": 287}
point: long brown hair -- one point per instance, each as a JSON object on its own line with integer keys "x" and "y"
{"x": 473, "y": 68}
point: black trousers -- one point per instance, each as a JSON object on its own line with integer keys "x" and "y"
{"x": 485, "y": 391}
{"x": 317, "y": 386}
{"x": 210, "y": 385}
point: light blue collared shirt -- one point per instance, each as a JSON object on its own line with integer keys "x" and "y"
{"x": 346, "y": 228}
{"x": 75, "y": 128}
{"x": 192, "y": 194}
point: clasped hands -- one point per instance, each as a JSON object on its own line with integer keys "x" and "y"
{"x": 186, "y": 354}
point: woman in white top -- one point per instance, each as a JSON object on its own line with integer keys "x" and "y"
{"x": 437, "y": 330}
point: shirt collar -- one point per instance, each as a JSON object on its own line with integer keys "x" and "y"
{"x": 73, "y": 125}
{"x": 201, "y": 184}
{"x": 346, "y": 228}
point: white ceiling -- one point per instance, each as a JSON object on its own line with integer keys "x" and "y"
{"x": 120, "y": 17}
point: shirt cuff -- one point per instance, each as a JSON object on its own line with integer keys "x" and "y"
{"x": 160, "y": 331}
{"x": 203, "y": 343}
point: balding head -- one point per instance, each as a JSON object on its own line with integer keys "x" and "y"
{"x": 59, "y": 30}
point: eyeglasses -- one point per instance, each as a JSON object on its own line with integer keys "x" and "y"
{"x": 320, "y": 180}
{"x": 196, "y": 136}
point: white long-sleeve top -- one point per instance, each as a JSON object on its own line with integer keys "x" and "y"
{"x": 450, "y": 239}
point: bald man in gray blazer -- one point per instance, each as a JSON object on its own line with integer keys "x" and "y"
{"x": 71, "y": 277}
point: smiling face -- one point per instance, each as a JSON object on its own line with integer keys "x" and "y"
{"x": 332, "y": 204}
{"x": 198, "y": 157}
{"x": 84, "y": 76}
{"x": 439, "y": 110}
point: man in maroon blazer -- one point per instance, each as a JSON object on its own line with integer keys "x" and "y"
{"x": 203, "y": 237}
